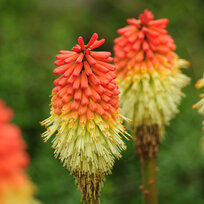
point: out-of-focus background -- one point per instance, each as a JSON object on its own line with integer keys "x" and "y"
{"x": 32, "y": 33}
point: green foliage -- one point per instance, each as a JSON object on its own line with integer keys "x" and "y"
{"x": 32, "y": 33}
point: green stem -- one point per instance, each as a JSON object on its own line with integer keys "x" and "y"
{"x": 149, "y": 186}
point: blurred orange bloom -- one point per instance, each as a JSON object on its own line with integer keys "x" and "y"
{"x": 15, "y": 186}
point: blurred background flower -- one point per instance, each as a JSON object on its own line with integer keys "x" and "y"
{"x": 200, "y": 105}
{"x": 15, "y": 185}
{"x": 32, "y": 31}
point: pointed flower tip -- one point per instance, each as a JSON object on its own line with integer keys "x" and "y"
{"x": 146, "y": 17}
{"x": 92, "y": 40}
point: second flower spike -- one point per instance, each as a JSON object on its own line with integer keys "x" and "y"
{"x": 148, "y": 71}
{"x": 200, "y": 105}
{"x": 151, "y": 83}
{"x": 85, "y": 113}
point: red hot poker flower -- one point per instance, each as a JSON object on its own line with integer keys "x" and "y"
{"x": 148, "y": 71}
{"x": 86, "y": 114}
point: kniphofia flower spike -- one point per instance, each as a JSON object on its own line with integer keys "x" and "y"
{"x": 148, "y": 71}
{"x": 151, "y": 82}
{"x": 85, "y": 112}
{"x": 200, "y": 104}
{"x": 15, "y": 185}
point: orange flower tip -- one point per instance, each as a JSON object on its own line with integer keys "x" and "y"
{"x": 92, "y": 40}
{"x": 197, "y": 85}
{"x": 146, "y": 17}
{"x": 188, "y": 64}
{"x": 58, "y": 62}
{"x": 200, "y": 83}
{"x": 76, "y": 48}
{"x": 133, "y": 21}
{"x": 80, "y": 58}
{"x": 100, "y": 55}
{"x": 195, "y": 106}
{"x": 97, "y": 43}
{"x": 88, "y": 50}
{"x": 64, "y": 52}
{"x": 81, "y": 42}
{"x": 109, "y": 59}
{"x": 91, "y": 60}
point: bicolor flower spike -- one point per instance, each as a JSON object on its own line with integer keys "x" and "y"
{"x": 148, "y": 71}
{"x": 85, "y": 114}
{"x": 15, "y": 185}
{"x": 200, "y": 104}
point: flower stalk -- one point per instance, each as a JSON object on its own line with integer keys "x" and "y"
{"x": 147, "y": 143}
{"x": 149, "y": 184}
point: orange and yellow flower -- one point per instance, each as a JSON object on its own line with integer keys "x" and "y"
{"x": 148, "y": 71}
{"x": 200, "y": 104}
{"x": 85, "y": 113}
{"x": 15, "y": 185}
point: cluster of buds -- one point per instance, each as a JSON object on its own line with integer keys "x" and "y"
{"x": 149, "y": 74}
{"x": 86, "y": 115}
{"x": 200, "y": 104}
{"x": 15, "y": 185}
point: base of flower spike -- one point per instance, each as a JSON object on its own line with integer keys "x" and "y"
{"x": 147, "y": 141}
{"x": 153, "y": 97}
{"x": 90, "y": 186}
{"x": 86, "y": 147}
